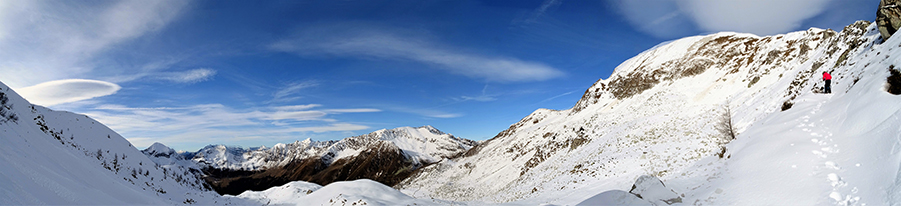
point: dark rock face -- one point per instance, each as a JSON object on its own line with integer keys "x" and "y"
{"x": 888, "y": 17}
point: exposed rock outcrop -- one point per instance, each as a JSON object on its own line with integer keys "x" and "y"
{"x": 888, "y": 17}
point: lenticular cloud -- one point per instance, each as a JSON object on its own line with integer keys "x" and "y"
{"x": 67, "y": 90}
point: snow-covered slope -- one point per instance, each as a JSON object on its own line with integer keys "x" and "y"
{"x": 357, "y": 192}
{"x": 671, "y": 112}
{"x": 62, "y": 158}
{"x": 421, "y": 144}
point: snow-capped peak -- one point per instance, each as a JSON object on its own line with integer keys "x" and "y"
{"x": 157, "y": 149}
{"x": 424, "y": 144}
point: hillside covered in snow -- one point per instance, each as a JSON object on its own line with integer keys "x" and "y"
{"x": 62, "y": 158}
{"x": 722, "y": 119}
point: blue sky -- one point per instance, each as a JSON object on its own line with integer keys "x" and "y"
{"x": 192, "y": 73}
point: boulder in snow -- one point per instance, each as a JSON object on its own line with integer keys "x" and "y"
{"x": 614, "y": 197}
{"x": 652, "y": 189}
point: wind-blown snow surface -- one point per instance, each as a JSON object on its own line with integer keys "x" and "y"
{"x": 661, "y": 113}
{"x": 421, "y": 144}
{"x": 62, "y": 158}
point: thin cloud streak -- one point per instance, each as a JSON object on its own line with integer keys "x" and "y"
{"x": 288, "y": 93}
{"x": 60, "y": 40}
{"x": 555, "y": 97}
{"x": 190, "y": 76}
{"x": 370, "y": 42}
{"x": 543, "y": 9}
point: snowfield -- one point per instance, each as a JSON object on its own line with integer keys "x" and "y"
{"x": 668, "y": 113}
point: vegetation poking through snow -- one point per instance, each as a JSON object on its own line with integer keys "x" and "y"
{"x": 894, "y": 81}
{"x": 6, "y": 114}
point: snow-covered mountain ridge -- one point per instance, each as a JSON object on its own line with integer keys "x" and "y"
{"x": 387, "y": 156}
{"x": 669, "y": 112}
{"x": 424, "y": 144}
{"x": 62, "y": 158}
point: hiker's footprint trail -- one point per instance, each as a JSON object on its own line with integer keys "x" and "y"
{"x": 827, "y": 147}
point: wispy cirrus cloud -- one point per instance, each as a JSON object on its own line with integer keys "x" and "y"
{"x": 289, "y": 92}
{"x": 364, "y": 41}
{"x": 49, "y": 49}
{"x": 42, "y": 41}
{"x": 538, "y": 12}
{"x": 483, "y": 97}
{"x": 189, "y": 76}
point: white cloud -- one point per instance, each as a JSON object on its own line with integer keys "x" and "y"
{"x": 481, "y": 98}
{"x": 285, "y": 93}
{"x": 219, "y": 123}
{"x": 337, "y": 127}
{"x": 358, "y": 110}
{"x": 555, "y": 97}
{"x": 660, "y": 18}
{"x": 357, "y": 40}
{"x": 763, "y": 17}
{"x": 190, "y": 76}
{"x": 296, "y": 115}
{"x": 67, "y": 90}
{"x": 538, "y": 12}
{"x": 42, "y": 41}
{"x": 298, "y": 107}
{"x": 674, "y": 18}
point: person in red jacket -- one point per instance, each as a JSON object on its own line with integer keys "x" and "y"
{"x": 828, "y": 78}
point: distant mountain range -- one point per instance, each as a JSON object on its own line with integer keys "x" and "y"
{"x": 387, "y": 156}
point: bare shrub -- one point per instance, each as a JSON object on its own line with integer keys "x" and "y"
{"x": 894, "y": 81}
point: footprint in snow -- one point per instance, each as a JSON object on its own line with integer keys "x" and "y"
{"x": 819, "y": 153}
{"x": 832, "y": 165}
